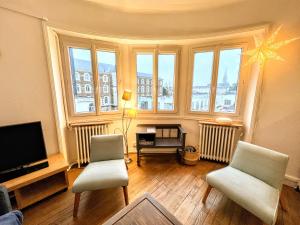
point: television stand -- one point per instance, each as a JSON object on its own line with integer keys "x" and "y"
{"x": 33, "y": 187}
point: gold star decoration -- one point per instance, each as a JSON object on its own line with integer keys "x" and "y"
{"x": 266, "y": 49}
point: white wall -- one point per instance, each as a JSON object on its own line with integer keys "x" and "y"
{"x": 24, "y": 83}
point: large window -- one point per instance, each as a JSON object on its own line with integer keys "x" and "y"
{"x": 216, "y": 75}
{"x": 156, "y": 73}
{"x": 88, "y": 66}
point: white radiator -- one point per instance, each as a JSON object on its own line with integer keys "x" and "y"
{"x": 218, "y": 142}
{"x": 83, "y": 134}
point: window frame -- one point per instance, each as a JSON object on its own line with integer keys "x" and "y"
{"x": 155, "y": 50}
{"x": 67, "y": 42}
{"x": 216, "y": 49}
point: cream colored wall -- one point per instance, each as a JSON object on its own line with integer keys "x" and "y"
{"x": 278, "y": 125}
{"x": 24, "y": 83}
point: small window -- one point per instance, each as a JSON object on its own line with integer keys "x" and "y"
{"x": 105, "y": 89}
{"x": 88, "y": 88}
{"x": 87, "y": 77}
{"x": 105, "y": 78}
{"x": 106, "y": 100}
{"x": 78, "y": 88}
{"x": 77, "y": 76}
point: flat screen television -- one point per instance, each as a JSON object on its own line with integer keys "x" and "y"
{"x": 22, "y": 150}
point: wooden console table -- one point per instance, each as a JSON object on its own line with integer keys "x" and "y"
{"x": 145, "y": 210}
{"x": 35, "y": 186}
{"x": 158, "y": 136}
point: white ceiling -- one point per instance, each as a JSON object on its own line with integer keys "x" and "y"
{"x": 159, "y": 6}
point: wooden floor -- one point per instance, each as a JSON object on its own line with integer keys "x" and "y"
{"x": 179, "y": 188}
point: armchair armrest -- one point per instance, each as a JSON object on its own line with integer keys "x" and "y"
{"x": 5, "y": 205}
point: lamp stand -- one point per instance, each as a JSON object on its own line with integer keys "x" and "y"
{"x": 125, "y": 127}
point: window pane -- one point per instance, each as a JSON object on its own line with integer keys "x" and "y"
{"x": 228, "y": 77}
{"x": 107, "y": 69}
{"x": 144, "y": 68}
{"x": 166, "y": 81}
{"x": 82, "y": 80}
{"x": 203, "y": 68}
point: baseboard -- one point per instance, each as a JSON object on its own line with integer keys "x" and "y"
{"x": 291, "y": 181}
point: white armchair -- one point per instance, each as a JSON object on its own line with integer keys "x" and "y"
{"x": 253, "y": 180}
{"x": 107, "y": 168}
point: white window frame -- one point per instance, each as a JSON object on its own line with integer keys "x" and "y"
{"x": 105, "y": 88}
{"x": 105, "y": 78}
{"x": 78, "y": 88}
{"x": 77, "y": 76}
{"x": 67, "y": 42}
{"x": 86, "y": 77}
{"x": 86, "y": 87}
{"x": 155, "y": 50}
{"x": 216, "y": 48}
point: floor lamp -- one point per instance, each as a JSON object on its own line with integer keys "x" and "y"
{"x": 127, "y": 116}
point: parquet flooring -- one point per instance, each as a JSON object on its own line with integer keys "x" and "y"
{"x": 179, "y": 188}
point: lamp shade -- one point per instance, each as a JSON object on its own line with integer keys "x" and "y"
{"x": 126, "y": 95}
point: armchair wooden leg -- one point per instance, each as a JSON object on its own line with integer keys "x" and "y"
{"x": 206, "y": 194}
{"x": 125, "y": 191}
{"x": 76, "y": 204}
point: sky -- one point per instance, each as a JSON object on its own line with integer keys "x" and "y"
{"x": 229, "y": 62}
{"x": 166, "y": 65}
{"x": 104, "y": 56}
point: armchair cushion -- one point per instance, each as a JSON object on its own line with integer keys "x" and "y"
{"x": 107, "y": 147}
{"x": 249, "y": 192}
{"x": 262, "y": 163}
{"x": 101, "y": 175}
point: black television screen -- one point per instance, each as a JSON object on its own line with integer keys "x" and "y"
{"x": 20, "y": 145}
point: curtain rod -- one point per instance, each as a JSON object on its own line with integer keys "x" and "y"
{"x": 24, "y": 13}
